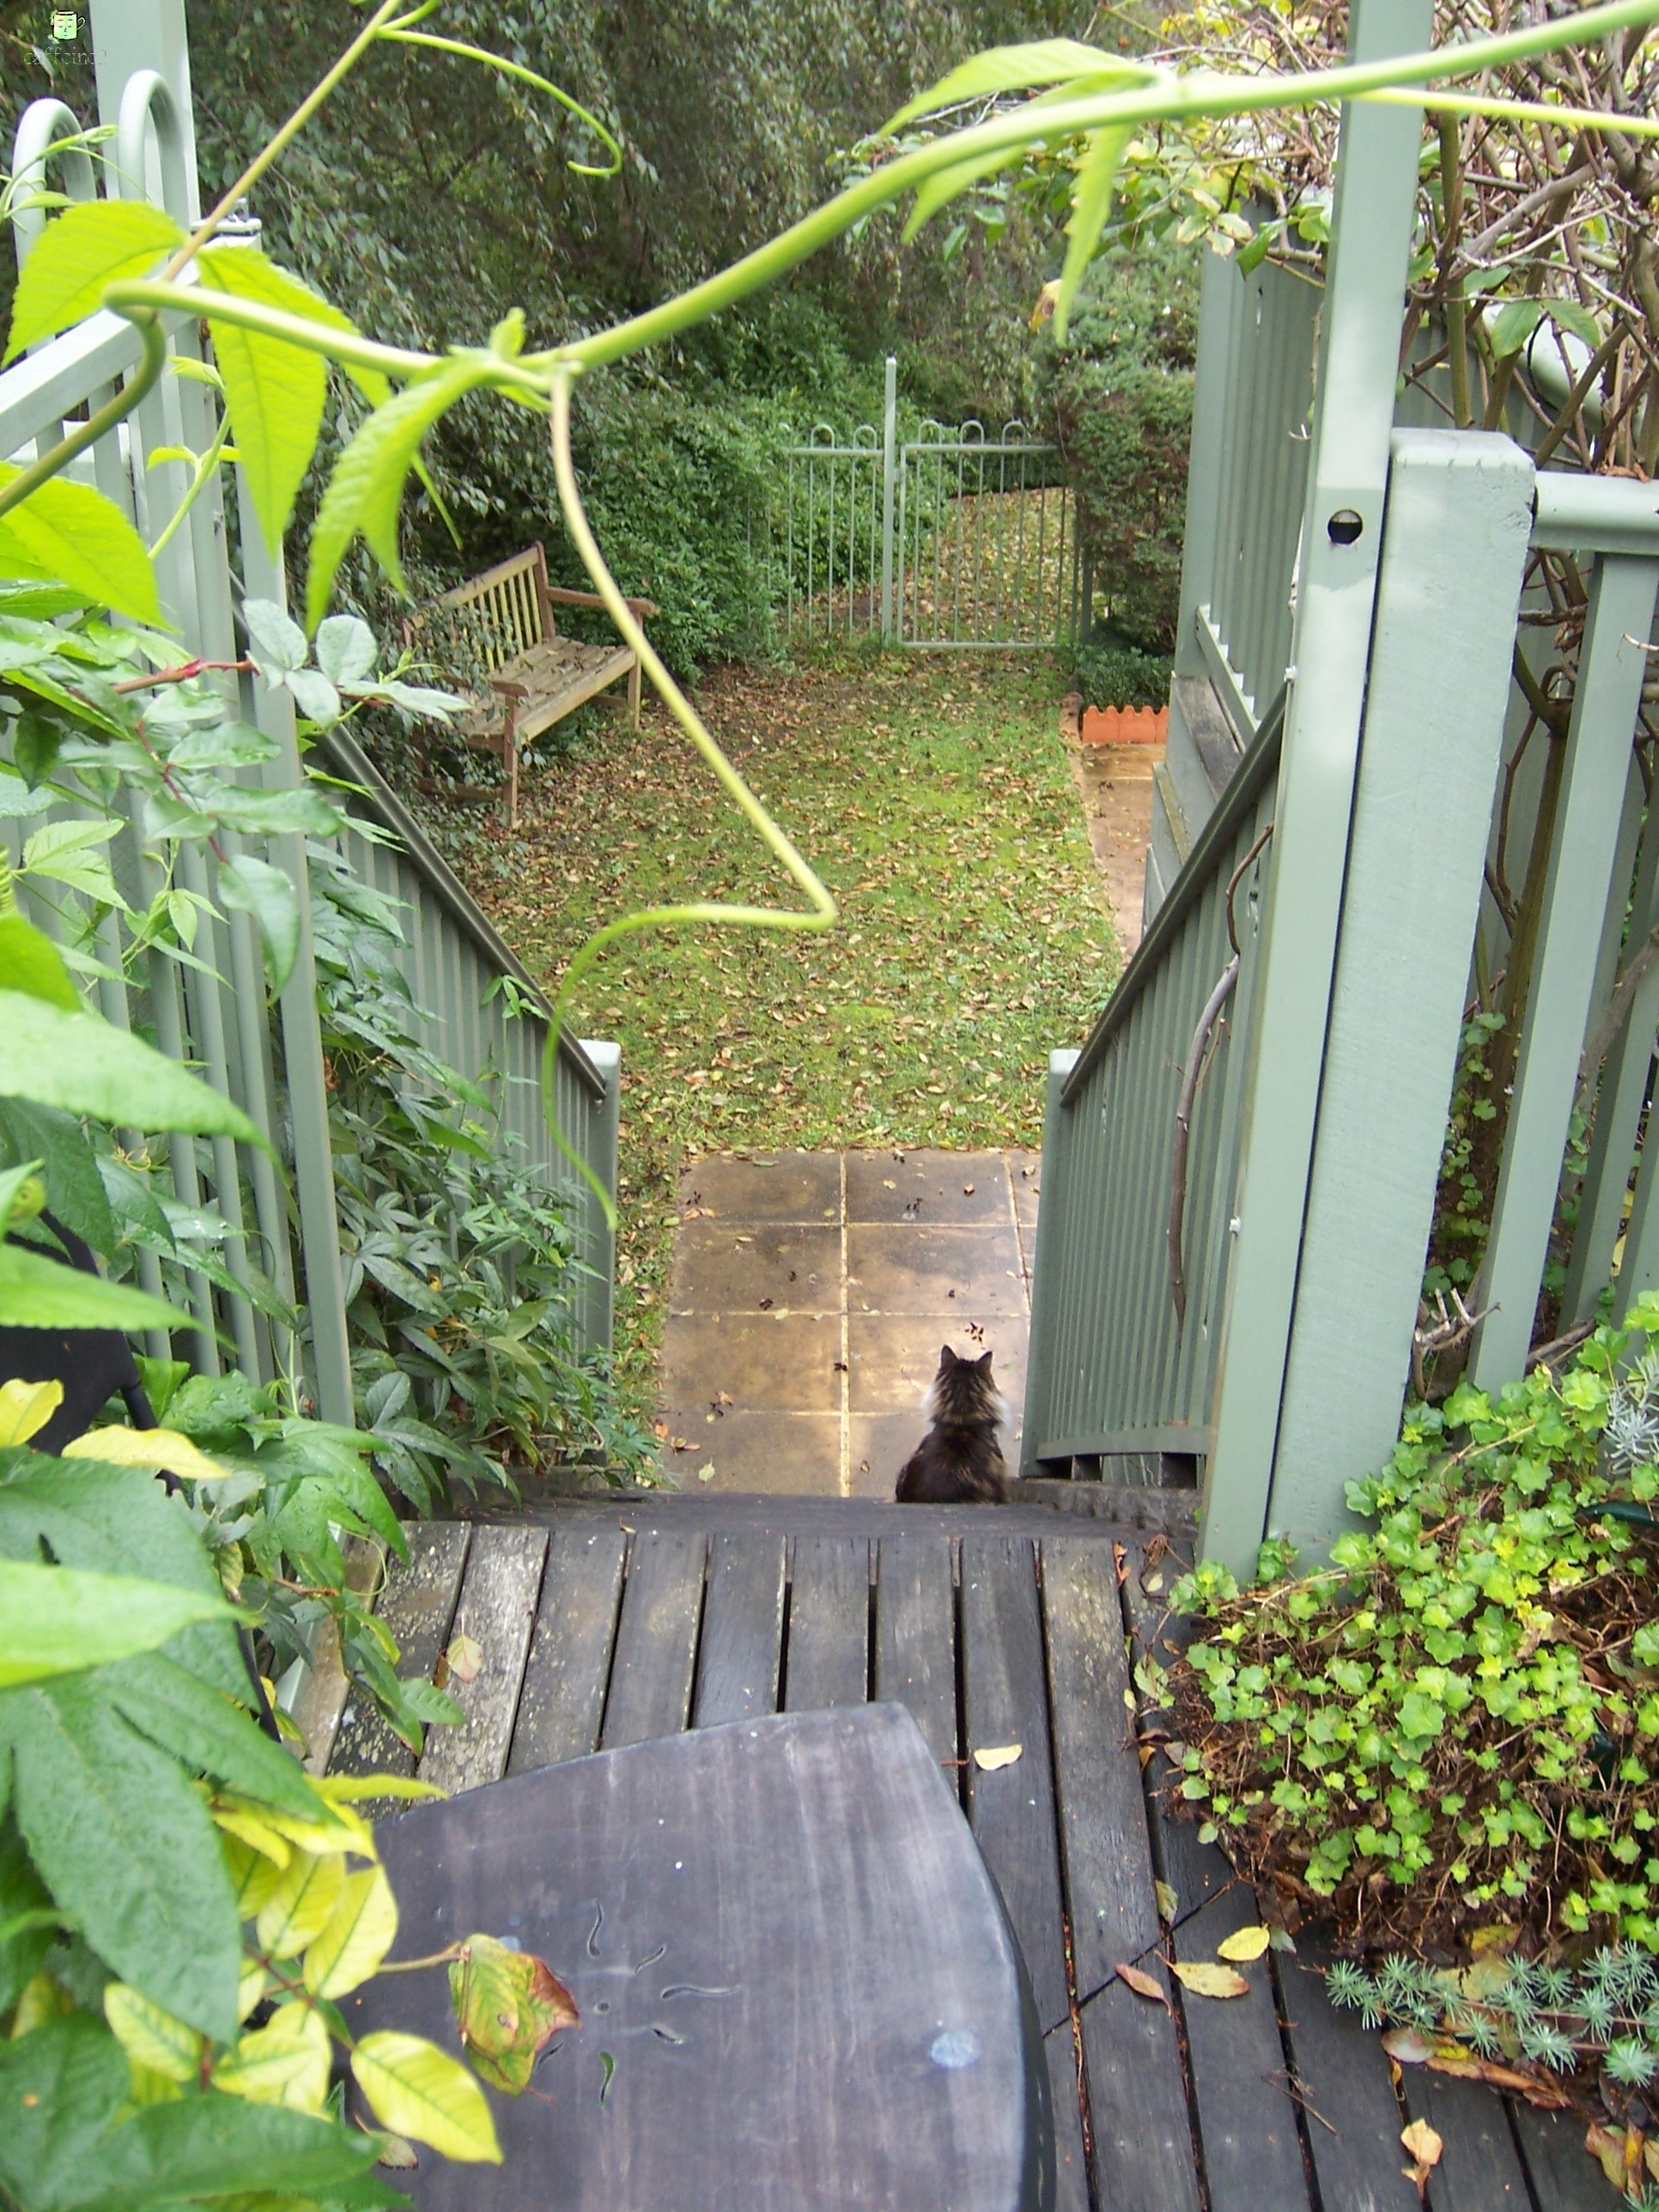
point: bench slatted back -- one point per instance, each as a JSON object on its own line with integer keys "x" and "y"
{"x": 507, "y": 611}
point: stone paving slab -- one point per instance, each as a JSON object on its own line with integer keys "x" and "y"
{"x": 810, "y": 1294}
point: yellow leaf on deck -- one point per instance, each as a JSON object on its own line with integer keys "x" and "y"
{"x": 1207, "y": 1981}
{"x": 991, "y": 1756}
{"x": 1248, "y": 1943}
{"x": 1425, "y": 2147}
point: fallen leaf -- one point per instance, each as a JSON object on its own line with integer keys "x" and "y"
{"x": 1143, "y": 1983}
{"x": 967, "y": 1190}
{"x": 766, "y": 1305}
{"x": 705, "y": 1473}
{"x": 1129, "y": 1700}
{"x": 1204, "y": 1980}
{"x": 839, "y": 1367}
{"x": 463, "y": 1659}
{"x": 1408, "y": 2046}
{"x": 1464, "y": 2066}
{"x": 1248, "y": 1943}
{"x": 1282, "y": 1938}
{"x": 1424, "y": 2146}
{"x": 509, "y": 2004}
{"x": 1499, "y": 1936}
{"x": 991, "y": 1756}
{"x": 1168, "y": 1903}
{"x": 395, "y": 2152}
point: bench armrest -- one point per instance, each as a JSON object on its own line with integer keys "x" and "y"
{"x": 642, "y": 609}
{"x": 508, "y": 689}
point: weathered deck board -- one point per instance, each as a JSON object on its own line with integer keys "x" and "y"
{"x": 417, "y": 1606}
{"x": 1246, "y": 2115}
{"x": 1144, "y": 2159}
{"x": 1142, "y": 2137}
{"x": 828, "y": 1625}
{"x": 641, "y": 1625}
{"x": 1071, "y": 2163}
{"x": 496, "y": 1610}
{"x": 568, "y": 1668}
{"x": 656, "y": 1639}
{"x": 1564, "y": 2178}
{"x": 1354, "y": 2117}
{"x": 1012, "y": 1807}
{"x": 916, "y": 1635}
{"x": 1479, "y": 2168}
{"x": 742, "y": 1630}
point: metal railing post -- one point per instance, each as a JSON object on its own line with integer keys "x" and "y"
{"x": 1459, "y": 513}
{"x": 599, "y": 1300}
{"x": 888, "y": 480}
{"x": 1376, "y": 203}
{"x": 1046, "y": 1291}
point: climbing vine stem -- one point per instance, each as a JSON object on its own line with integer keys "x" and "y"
{"x": 820, "y": 912}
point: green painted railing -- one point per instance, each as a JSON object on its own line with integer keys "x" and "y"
{"x": 216, "y": 1016}
{"x": 1312, "y": 1107}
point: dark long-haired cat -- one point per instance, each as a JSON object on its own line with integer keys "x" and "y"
{"x": 959, "y": 1462}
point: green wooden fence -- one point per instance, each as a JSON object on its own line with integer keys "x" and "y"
{"x": 1380, "y": 572}
{"x": 217, "y": 1015}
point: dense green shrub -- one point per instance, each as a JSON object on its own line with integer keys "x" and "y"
{"x": 1120, "y": 393}
{"x": 1112, "y": 674}
{"x": 1454, "y": 1722}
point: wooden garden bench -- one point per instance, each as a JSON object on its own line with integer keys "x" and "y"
{"x": 500, "y": 627}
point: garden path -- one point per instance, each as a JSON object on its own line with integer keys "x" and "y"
{"x": 809, "y": 1296}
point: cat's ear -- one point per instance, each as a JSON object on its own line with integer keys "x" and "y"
{"x": 947, "y": 1359}
{"x": 984, "y": 1362}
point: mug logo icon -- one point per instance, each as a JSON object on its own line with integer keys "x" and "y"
{"x": 65, "y": 25}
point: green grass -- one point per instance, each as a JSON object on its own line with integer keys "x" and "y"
{"x": 933, "y": 795}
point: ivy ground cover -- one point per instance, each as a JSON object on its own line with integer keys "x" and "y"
{"x": 933, "y": 795}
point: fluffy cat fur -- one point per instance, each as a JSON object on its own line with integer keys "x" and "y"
{"x": 959, "y": 1460}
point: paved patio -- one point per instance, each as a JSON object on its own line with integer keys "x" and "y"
{"x": 810, "y": 1294}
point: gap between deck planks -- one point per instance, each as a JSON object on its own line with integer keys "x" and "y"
{"x": 594, "y": 1633}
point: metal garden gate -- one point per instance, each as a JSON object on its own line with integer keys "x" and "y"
{"x": 950, "y": 540}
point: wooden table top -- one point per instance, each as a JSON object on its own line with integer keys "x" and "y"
{"x": 798, "y": 1986}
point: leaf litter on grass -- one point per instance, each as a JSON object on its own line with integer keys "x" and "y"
{"x": 935, "y": 799}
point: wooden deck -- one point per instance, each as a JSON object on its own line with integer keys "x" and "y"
{"x": 604, "y": 1624}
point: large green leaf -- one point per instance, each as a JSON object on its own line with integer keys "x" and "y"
{"x": 1018, "y": 69}
{"x": 28, "y": 1921}
{"x": 57, "y": 1620}
{"x": 70, "y": 532}
{"x": 1091, "y": 203}
{"x": 274, "y": 391}
{"x": 255, "y": 887}
{"x": 75, "y": 1188}
{"x": 366, "y": 488}
{"x": 124, "y": 1842}
{"x": 36, "y": 1293}
{"x": 31, "y": 963}
{"x": 67, "y": 2147}
{"x": 84, "y": 1065}
{"x": 87, "y": 248}
{"x": 117, "y": 1520}
{"x": 195, "y": 1724}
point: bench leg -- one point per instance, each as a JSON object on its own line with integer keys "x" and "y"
{"x": 634, "y": 696}
{"x": 510, "y": 762}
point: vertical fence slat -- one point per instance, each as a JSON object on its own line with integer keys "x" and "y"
{"x": 1612, "y": 665}
{"x": 1459, "y": 508}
